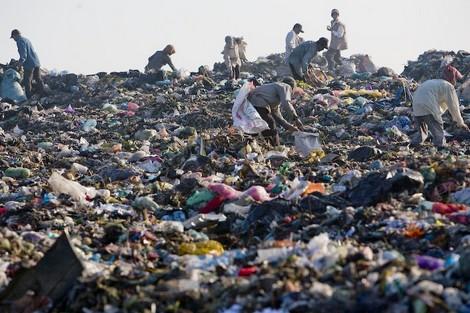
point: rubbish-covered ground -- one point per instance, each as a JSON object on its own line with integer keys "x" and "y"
{"x": 160, "y": 205}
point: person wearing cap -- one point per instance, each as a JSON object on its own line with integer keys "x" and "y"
{"x": 430, "y": 101}
{"x": 29, "y": 60}
{"x": 158, "y": 60}
{"x": 338, "y": 41}
{"x": 232, "y": 57}
{"x": 293, "y": 40}
{"x": 301, "y": 56}
{"x": 268, "y": 100}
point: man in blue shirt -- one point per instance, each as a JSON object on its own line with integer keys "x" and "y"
{"x": 30, "y": 62}
{"x": 302, "y": 55}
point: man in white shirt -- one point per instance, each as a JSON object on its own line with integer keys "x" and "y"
{"x": 430, "y": 101}
{"x": 338, "y": 41}
{"x": 293, "y": 40}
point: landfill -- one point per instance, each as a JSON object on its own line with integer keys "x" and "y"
{"x": 120, "y": 193}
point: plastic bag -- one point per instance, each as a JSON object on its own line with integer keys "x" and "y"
{"x": 225, "y": 191}
{"x": 305, "y": 143}
{"x": 201, "y": 248}
{"x": 347, "y": 69}
{"x": 182, "y": 73}
{"x": 10, "y": 87}
{"x": 244, "y": 115}
{"x": 258, "y": 193}
{"x": 78, "y": 192}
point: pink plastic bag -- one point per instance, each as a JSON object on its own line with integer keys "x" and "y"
{"x": 131, "y": 106}
{"x": 224, "y": 191}
{"x": 258, "y": 193}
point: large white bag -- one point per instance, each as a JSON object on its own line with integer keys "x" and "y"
{"x": 10, "y": 88}
{"x": 244, "y": 115}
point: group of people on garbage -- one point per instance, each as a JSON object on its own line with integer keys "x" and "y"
{"x": 300, "y": 53}
{"x": 430, "y": 101}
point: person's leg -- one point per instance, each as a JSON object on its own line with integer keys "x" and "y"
{"x": 329, "y": 55}
{"x": 160, "y": 76}
{"x": 27, "y": 77}
{"x": 294, "y": 70}
{"x": 422, "y": 133}
{"x": 237, "y": 71}
{"x": 437, "y": 131}
{"x": 337, "y": 57}
{"x": 38, "y": 79}
{"x": 271, "y": 134}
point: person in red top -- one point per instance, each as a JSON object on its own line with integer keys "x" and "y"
{"x": 451, "y": 74}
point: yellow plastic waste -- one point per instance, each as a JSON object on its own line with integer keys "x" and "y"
{"x": 347, "y": 101}
{"x": 315, "y": 156}
{"x": 163, "y": 186}
{"x": 303, "y": 85}
{"x": 362, "y": 93}
{"x": 201, "y": 248}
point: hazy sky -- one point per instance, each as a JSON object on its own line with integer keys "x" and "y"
{"x": 88, "y": 36}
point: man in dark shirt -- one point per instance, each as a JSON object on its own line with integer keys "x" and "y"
{"x": 159, "y": 59}
{"x": 268, "y": 100}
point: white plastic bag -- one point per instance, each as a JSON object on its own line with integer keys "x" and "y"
{"x": 347, "y": 69}
{"x": 306, "y": 143}
{"x": 10, "y": 87}
{"x": 78, "y": 192}
{"x": 244, "y": 115}
{"x": 182, "y": 73}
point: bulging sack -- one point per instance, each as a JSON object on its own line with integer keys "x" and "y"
{"x": 10, "y": 87}
{"x": 244, "y": 115}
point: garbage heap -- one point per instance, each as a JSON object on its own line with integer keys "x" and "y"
{"x": 122, "y": 194}
{"x": 428, "y": 64}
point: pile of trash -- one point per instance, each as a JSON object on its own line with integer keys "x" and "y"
{"x": 429, "y": 63}
{"x": 123, "y": 194}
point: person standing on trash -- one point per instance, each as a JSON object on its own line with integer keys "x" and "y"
{"x": 338, "y": 41}
{"x": 29, "y": 60}
{"x": 232, "y": 57}
{"x": 302, "y": 55}
{"x": 451, "y": 74}
{"x": 430, "y": 101}
{"x": 241, "y": 43}
{"x": 158, "y": 60}
{"x": 293, "y": 40}
{"x": 268, "y": 100}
